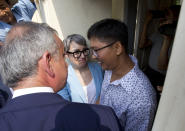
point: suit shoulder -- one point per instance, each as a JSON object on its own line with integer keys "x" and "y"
{"x": 101, "y": 107}
{"x": 101, "y": 110}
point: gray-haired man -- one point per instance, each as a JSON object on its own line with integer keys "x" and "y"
{"x": 32, "y": 63}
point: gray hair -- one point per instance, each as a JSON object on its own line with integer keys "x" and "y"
{"x": 73, "y": 38}
{"x": 25, "y": 44}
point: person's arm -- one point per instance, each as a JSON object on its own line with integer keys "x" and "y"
{"x": 164, "y": 57}
{"x": 144, "y": 41}
{"x": 23, "y": 10}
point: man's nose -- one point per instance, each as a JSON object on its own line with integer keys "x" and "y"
{"x": 93, "y": 56}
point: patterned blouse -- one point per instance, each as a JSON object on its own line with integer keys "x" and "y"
{"x": 132, "y": 97}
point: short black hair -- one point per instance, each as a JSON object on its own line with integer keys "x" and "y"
{"x": 109, "y": 30}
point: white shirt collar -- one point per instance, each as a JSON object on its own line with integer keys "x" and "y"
{"x": 31, "y": 90}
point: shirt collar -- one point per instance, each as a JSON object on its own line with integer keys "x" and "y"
{"x": 31, "y": 90}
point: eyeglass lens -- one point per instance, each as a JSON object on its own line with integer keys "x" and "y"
{"x": 94, "y": 51}
{"x": 77, "y": 54}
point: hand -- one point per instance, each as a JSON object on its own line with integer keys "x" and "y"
{"x": 166, "y": 21}
{"x": 160, "y": 89}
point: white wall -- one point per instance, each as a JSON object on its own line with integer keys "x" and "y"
{"x": 73, "y": 16}
{"x": 118, "y": 9}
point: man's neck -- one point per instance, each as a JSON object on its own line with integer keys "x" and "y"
{"x": 31, "y": 82}
{"x": 124, "y": 65}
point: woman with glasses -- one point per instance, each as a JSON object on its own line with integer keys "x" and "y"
{"x": 84, "y": 78}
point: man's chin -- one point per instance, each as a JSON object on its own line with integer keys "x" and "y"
{"x": 103, "y": 66}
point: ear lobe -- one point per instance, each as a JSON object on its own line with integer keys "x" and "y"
{"x": 119, "y": 48}
{"x": 48, "y": 64}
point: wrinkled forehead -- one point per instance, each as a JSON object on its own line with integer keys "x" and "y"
{"x": 75, "y": 45}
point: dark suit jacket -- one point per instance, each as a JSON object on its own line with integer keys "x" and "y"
{"x": 3, "y": 98}
{"x": 4, "y": 94}
{"x": 50, "y": 112}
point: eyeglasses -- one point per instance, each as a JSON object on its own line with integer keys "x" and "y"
{"x": 94, "y": 51}
{"x": 77, "y": 54}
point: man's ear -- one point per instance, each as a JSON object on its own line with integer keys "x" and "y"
{"x": 118, "y": 47}
{"x": 47, "y": 63}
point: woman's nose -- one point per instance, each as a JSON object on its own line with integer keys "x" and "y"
{"x": 82, "y": 55}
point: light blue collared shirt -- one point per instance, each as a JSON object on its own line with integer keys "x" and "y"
{"x": 23, "y": 10}
{"x": 4, "y": 28}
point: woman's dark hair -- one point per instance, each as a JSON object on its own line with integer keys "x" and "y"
{"x": 109, "y": 30}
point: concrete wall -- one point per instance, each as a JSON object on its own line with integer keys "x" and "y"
{"x": 118, "y": 9}
{"x": 72, "y": 16}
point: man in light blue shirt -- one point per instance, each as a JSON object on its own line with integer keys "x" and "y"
{"x": 23, "y": 10}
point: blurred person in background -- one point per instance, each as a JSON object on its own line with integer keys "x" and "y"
{"x": 11, "y": 13}
{"x": 161, "y": 41}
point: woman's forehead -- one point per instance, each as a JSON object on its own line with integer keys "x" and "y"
{"x": 74, "y": 45}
